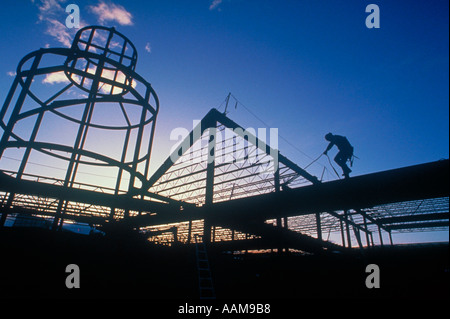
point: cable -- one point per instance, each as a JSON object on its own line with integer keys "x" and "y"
{"x": 221, "y": 104}
{"x": 323, "y": 172}
{"x": 337, "y": 174}
{"x": 284, "y": 139}
{"x": 313, "y": 162}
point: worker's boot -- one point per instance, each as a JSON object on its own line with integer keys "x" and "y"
{"x": 347, "y": 171}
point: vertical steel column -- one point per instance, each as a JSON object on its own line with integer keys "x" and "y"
{"x": 347, "y": 226}
{"x": 189, "y": 237}
{"x": 13, "y": 119}
{"x": 137, "y": 152}
{"x": 277, "y": 190}
{"x": 209, "y": 190}
{"x": 358, "y": 236}
{"x": 381, "y": 236}
{"x": 319, "y": 227}
{"x": 122, "y": 159}
{"x": 342, "y": 233}
{"x": 150, "y": 142}
{"x": 367, "y": 230}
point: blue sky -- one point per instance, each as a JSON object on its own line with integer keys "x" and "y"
{"x": 304, "y": 67}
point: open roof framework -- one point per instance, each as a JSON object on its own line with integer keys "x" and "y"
{"x": 222, "y": 184}
{"x": 221, "y": 162}
{"x": 232, "y": 189}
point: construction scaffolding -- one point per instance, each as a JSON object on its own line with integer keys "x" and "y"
{"x": 223, "y": 185}
{"x": 97, "y": 119}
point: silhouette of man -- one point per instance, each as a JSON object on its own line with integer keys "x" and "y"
{"x": 345, "y": 151}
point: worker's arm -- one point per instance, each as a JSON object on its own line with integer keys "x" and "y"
{"x": 328, "y": 147}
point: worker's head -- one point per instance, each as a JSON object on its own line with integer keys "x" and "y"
{"x": 329, "y": 136}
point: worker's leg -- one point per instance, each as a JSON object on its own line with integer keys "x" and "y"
{"x": 341, "y": 160}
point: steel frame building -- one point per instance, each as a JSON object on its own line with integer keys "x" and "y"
{"x": 222, "y": 184}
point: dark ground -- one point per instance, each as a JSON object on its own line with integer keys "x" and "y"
{"x": 33, "y": 263}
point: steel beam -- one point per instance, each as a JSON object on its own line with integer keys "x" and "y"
{"x": 418, "y": 225}
{"x": 412, "y": 218}
{"x": 422, "y": 181}
{"x": 10, "y": 184}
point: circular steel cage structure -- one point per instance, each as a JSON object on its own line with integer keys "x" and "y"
{"x": 107, "y": 45}
{"x": 83, "y": 113}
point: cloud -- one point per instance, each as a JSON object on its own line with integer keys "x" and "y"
{"x": 49, "y": 8}
{"x": 11, "y": 73}
{"x": 56, "y": 77}
{"x": 112, "y": 12}
{"x": 118, "y": 78}
{"x": 148, "y": 48}
{"x": 215, "y": 4}
{"x": 59, "y": 31}
{"x": 51, "y": 13}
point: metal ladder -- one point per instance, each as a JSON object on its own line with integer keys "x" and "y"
{"x": 205, "y": 284}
